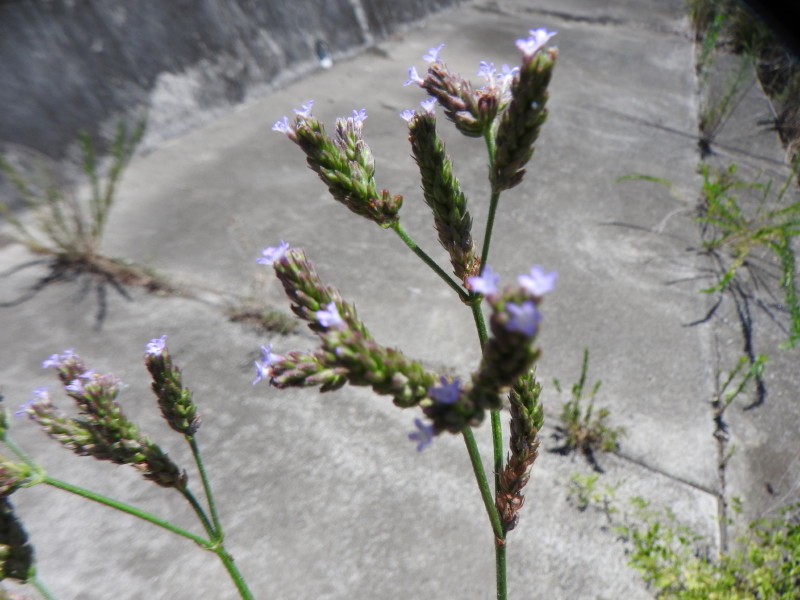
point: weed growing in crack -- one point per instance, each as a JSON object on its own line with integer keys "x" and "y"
{"x": 739, "y": 220}
{"x": 65, "y": 226}
{"x": 729, "y": 26}
{"x": 69, "y": 228}
{"x": 584, "y": 429}
{"x": 733, "y": 231}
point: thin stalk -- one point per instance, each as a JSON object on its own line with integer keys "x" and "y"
{"x": 483, "y": 483}
{"x": 430, "y": 262}
{"x": 500, "y": 568}
{"x": 20, "y": 454}
{"x": 41, "y": 588}
{"x": 206, "y": 488}
{"x": 497, "y": 429}
{"x": 127, "y": 508}
{"x": 211, "y": 531}
{"x": 497, "y": 426}
{"x": 487, "y": 236}
{"x": 236, "y": 576}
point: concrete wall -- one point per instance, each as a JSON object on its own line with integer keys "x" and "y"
{"x": 71, "y": 65}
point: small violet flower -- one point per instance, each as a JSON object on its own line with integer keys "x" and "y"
{"x": 538, "y": 283}
{"x": 423, "y": 436}
{"x": 407, "y": 115}
{"x": 488, "y": 72}
{"x": 429, "y": 105}
{"x": 525, "y": 318}
{"x": 263, "y": 364}
{"x": 76, "y": 387}
{"x": 329, "y": 316}
{"x": 433, "y": 54}
{"x": 56, "y": 360}
{"x": 538, "y": 38}
{"x": 447, "y": 393}
{"x": 40, "y": 393}
{"x": 282, "y": 126}
{"x": 485, "y": 284}
{"x": 155, "y": 346}
{"x": 413, "y": 77}
{"x": 305, "y": 110}
{"x": 504, "y": 79}
{"x": 359, "y": 116}
{"x": 273, "y": 253}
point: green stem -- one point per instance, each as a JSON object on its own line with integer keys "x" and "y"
{"x": 430, "y": 262}
{"x": 497, "y": 426}
{"x": 126, "y": 508}
{"x": 236, "y": 576}
{"x": 20, "y": 454}
{"x": 497, "y": 430}
{"x": 206, "y": 488}
{"x": 500, "y": 564}
{"x": 211, "y": 531}
{"x": 41, "y": 588}
{"x": 487, "y": 236}
{"x": 483, "y": 482}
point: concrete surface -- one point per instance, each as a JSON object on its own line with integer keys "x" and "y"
{"x": 323, "y": 497}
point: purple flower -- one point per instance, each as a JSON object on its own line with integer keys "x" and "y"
{"x": 407, "y": 115}
{"x": 433, "y": 54}
{"x": 525, "y": 318}
{"x": 359, "y": 116}
{"x": 423, "y": 435}
{"x": 329, "y": 316}
{"x": 305, "y": 110}
{"x": 155, "y": 346}
{"x": 273, "y": 253}
{"x": 263, "y": 364}
{"x": 40, "y": 393}
{"x": 487, "y": 71}
{"x": 76, "y": 387}
{"x": 538, "y": 283}
{"x": 538, "y": 38}
{"x": 486, "y": 283}
{"x": 56, "y": 360}
{"x": 447, "y": 393}
{"x": 282, "y": 126}
{"x": 429, "y": 105}
{"x": 504, "y": 79}
{"x": 413, "y": 77}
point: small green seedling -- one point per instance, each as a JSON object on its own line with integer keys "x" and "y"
{"x": 582, "y": 428}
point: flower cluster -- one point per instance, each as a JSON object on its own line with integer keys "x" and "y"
{"x": 174, "y": 399}
{"x": 516, "y": 94}
{"x": 348, "y": 354}
{"x": 522, "y": 121}
{"x": 102, "y": 430}
{"x": 526, "y": 421}
{"x": 508, "y": 353}
{"x": 344, "y": 163}
{"x": 443, "y": 194}
{"x": 473, "y": 111}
